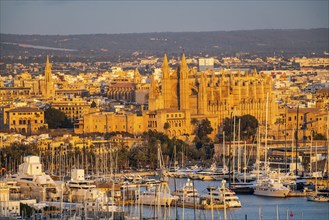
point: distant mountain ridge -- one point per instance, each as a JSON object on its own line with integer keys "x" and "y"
{"x": 296, "y": 42}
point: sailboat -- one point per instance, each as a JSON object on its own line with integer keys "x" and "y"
{"x": 159, "y": 196}
{"x": 318, "y": 197}
{"x": 270, "y": 187}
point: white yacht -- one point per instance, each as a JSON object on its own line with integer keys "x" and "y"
{"x": 156, "y": 196}
{"x": 187, "y": 172}
{"x": 34, "y": 183}
{"x": 271, "y": 188}
{"x": 187, "y": 194}
{"x": 79, "y": 188}
{"x": 208, "y": 174}
{"x": 318, "y": 198}
{"x": 223, "y": 195}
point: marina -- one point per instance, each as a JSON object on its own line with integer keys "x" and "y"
{"x": 154, "y": 197}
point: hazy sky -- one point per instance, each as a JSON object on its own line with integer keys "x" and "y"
{"x": 85, "y": 17}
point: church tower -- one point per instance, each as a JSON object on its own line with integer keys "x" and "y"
{"x": 49, "y": 87}
{"x": 137, "y": 76}
{"x": 153, "y": 95}
{"x": 202, "y": 95}
{"x": 183, "y": 85}
{"x": 165, "y": 69}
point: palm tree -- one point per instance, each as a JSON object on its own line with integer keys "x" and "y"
{"x": 279, "y": 122}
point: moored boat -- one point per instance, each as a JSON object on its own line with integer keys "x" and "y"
{"x": 271, "y": 188}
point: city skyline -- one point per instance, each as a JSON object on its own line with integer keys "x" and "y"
{"x": 112, "y": 17}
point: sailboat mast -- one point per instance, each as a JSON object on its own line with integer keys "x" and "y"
{"x": 245, "y": 161}
{"x": 175, "y": 157}
{"x": 328, "y": 146}
{"x": 224, "y": 150}
{"x": 258, "y": 154}
{"x": 239, "y": 150}
{"x": 234, "y": 147}
{"x": 285, "y": 139}
{"x": 316, "y": 167}
{"x": 292, "y": 147}
{"x": 311, "y": 152}
{"x": 266, "y": 122}
{"x": 297, "y": 124}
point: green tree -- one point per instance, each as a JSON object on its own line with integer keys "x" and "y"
{"x": 166, "y": 126}
{"x": 319, "y": 136}
{"x": 138, "y": 156}
{"x": 123, "y": 157}
{"x": 11, "y": 157}
{"x": 248, "y": 127}
{"x": 93, "y": 105}
{"x": 202, "y": 142}
{"x": 57, "y": 119}
{"x": 203, "y": 129}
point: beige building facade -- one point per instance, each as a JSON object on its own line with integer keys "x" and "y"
{"x": 185, "y": 94}
{"x": 25, "y": 120}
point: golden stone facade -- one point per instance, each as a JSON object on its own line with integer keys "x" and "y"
{"x": 105, "y": 122}
{"x": 185, "y": 94}
{"x": 73, "y": 108}
{"x": 25, "y": 120}
{"x": 316, "y": 121}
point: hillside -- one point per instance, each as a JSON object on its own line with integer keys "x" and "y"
{"x": 220, "y": 43}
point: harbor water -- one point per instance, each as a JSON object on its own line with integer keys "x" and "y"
{"x": 253, "y": 207}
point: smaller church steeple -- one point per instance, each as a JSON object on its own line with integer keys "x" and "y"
{"x": 137, "y": 76}
{"x": 48, "y": 89}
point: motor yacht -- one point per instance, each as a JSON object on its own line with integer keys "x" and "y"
{"x": 187, "y": 194}
{"x": 34, "y": 183}
{"x": 156, "y": 196}
{"x": 271, "y": 188}
{"x": 223, "y": 195}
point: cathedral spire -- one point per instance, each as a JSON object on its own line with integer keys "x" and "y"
{"x": 183, "y": 68}
{"x": 255, "y": 72}
{"x": 183, "y": 63}
{"x": 165, "y": 67}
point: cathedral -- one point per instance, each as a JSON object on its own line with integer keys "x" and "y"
{"x": 183, "y": 94}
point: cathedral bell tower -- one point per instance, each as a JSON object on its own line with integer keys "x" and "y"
{"x": 165, "y": 69}
{"x": 183, "y": 85}
{"x": 48, "y": 85}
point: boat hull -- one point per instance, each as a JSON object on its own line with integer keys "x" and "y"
{"x": 269, "y": 193}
